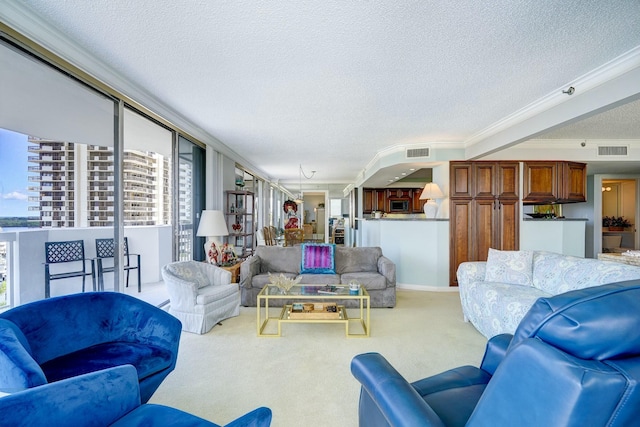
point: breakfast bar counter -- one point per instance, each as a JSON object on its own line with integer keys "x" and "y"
{"x": 418, "y": 246}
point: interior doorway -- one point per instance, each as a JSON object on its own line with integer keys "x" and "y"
{"x": 314, "y": 214}
{"x": 619, "y": 199}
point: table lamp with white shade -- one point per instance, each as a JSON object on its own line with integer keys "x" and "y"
{"x": 431, "y": 192}
{"x": 212, "y": 226}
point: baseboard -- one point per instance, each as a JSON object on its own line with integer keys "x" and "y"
{"x": 426, "y": 288}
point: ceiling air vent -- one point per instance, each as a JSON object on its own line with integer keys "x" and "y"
{"x": 612, "y": 150}
{"x": 412, "y": 153}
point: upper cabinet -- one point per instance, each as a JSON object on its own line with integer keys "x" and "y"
{"x": 373, "y": 200}
{"x": 554, "y": 182}
{"x": 484, "y": 180}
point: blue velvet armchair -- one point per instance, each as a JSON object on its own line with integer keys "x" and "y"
{"x": 573, "y": 361}
{"x": 108, "y": 397}
{"x": 57, "y": 338}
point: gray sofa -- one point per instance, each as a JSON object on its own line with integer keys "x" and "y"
{"x": 366, "y": 265}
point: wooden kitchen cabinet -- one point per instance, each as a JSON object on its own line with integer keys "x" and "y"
{"x": 399, "y": 193}
{"x": 373, "y": 200}
{"x": 484, "y": 210}
{"x": 417, "y": 205}
{"x": 554, "y": 182}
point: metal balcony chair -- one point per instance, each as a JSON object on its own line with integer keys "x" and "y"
{"x": 66, "y": 252}
{"x": 105, "y": 248}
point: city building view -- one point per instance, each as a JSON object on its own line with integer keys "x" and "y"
{"x": 74, "y": 185}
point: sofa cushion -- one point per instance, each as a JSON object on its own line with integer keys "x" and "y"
{"x": 146, "y": 358}
{"x": 514, "y": 267}
{"x": 215, "y": 293}
{"x": 280, "y": 260}
{"x": 260, "y": 280}
{"x": 319, "y": 279}
{"x": 353, "y": 260}
{"x": 318, "y": 258}
{"x": 555, "y": 273}
{"x": 370, "y": 280}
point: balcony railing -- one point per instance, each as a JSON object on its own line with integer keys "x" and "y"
{"x": 18, "y": 259}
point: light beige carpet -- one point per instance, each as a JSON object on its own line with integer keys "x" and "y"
{"x": 304, "y": 375}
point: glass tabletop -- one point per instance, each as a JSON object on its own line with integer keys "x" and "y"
{"x": 313, "y": 290}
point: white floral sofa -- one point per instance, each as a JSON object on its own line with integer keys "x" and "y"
{"x": 496, "y": 294}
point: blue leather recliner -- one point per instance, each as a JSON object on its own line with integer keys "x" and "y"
{"x": 108, "y": 397}
{"x": 573, "y": 361}
{"x": 57, "y": 338}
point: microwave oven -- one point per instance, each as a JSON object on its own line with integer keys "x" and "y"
{"x": 398, "y": 206}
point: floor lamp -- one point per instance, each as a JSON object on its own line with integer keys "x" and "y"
{"x": 431, "y": 192}
{"x": 212, "y": 226}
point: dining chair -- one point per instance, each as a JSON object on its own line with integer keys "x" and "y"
{"x": 71, "y": 252}
{"x": 293, "y": 236}
{"x": 308, "y": 232}
{"x": 269, "y": 239}
{"x": 105, "y": 248}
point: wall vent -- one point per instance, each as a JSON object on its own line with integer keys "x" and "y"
{"x": 621, "y": 150}
{"x": 412, "y": 153}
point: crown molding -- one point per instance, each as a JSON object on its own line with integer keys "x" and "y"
{"x": 615, "y": 79}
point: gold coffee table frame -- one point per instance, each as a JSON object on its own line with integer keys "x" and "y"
{"x": 308, "y": 293}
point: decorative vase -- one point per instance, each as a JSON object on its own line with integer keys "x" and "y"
{"x": 616, "y": 228}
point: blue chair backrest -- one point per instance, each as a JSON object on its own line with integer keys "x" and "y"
{"x": 597, "y": 323}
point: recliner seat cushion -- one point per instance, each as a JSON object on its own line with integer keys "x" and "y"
{"x": 147, "y": 360}
{"x": 454, "y": 394}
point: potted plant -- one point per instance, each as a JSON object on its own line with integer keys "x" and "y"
{"x": 615, "y": 223}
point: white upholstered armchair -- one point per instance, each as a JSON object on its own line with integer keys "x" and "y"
{"x": 201, "y": 295}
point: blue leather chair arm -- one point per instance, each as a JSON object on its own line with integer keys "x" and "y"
{"x": 260, "y": 417}
{"x": 495, "y": 352}
{"x": 397, "y": 400}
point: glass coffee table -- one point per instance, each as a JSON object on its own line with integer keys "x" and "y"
{"x": 313, "y": 304}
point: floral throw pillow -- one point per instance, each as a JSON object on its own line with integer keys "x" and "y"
{"x": 515, "y": 267}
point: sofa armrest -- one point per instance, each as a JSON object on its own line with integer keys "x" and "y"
{"x": 249, "y": 268}
{"x": 495, "y": 352}
{"x": 19, "y": 370}
{"x": 387, "y": 268}
{"x": 97, "y": 398}
{"x": 394, "y": 396}
{"x": 471, "y": 271}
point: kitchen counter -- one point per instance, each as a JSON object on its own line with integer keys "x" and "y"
{"x": 403, "y": 219}
{"x": 418, "y": 246}
{"x": 554, "y": 219}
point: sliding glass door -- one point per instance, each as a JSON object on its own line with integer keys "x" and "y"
{"x": 191, "y": 199}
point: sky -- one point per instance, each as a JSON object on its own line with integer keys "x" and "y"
{"x": 13, "y": 174}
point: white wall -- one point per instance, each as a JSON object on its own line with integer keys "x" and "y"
{"x": 419, "y": 248}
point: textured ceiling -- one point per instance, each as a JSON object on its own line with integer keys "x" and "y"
{"x": 328, "y": 84}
